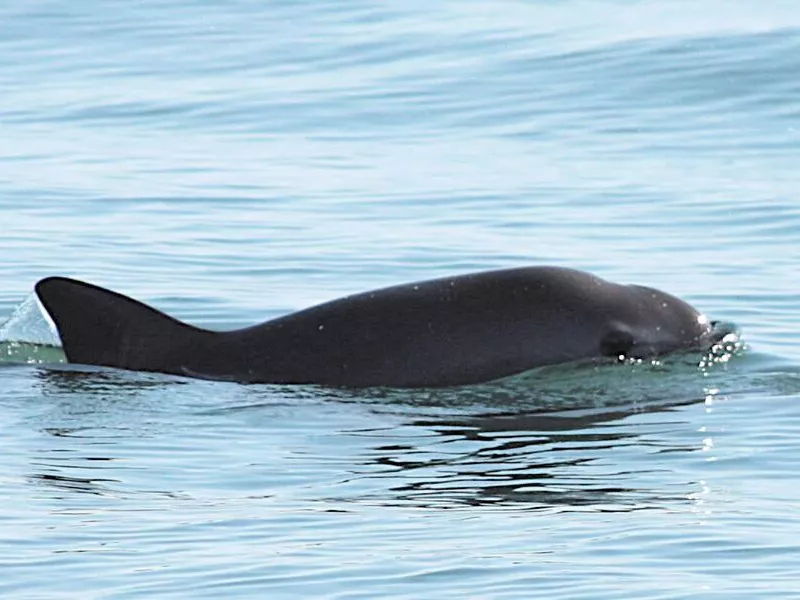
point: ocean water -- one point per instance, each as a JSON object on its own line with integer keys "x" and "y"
{"x": 230, "y": 162}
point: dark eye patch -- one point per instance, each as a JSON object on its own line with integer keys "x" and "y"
{"x": 616, "y": 343}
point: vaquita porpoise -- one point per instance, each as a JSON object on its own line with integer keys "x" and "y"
{"x": 442, "y": 332}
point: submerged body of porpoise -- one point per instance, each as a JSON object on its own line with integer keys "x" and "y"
{"x": 442, "y": 332}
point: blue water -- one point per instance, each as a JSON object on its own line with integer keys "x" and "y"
{"x": 230, "y": 162}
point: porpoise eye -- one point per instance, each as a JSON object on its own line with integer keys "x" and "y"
{"x": 616, "y": 343}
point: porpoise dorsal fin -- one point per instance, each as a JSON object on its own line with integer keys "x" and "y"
{"x": 101, "y": 327}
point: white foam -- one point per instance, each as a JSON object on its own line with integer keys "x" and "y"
{"x": 30, "y": 323}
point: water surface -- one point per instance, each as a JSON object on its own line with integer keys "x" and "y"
{"x": 230, "y": 163}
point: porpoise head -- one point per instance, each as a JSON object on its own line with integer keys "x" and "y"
{"x": 656, "y": 323}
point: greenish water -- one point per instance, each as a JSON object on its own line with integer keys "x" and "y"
{"x": 229, "y": 163}
{"x": 24, "y": 352}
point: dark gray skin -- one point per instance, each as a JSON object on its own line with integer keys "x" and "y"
{"x": 443, "y": 332}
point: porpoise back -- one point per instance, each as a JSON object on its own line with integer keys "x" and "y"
{"x": 442, "y": 332}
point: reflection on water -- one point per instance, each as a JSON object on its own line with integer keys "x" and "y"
{"x": 80, "y": 485}
{"x": 576, "y": 437}
{"x": 94, "y": 381}
{"x": 572, "y": 437}
{"x": 577, "y": 449}
{"x": 546, "y": 459}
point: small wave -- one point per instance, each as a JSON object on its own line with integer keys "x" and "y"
{"x": 28, "y": 336}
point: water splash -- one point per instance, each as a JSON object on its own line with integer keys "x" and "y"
{"x": 728, "y": 344}
{"x": 29, "y": 336}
